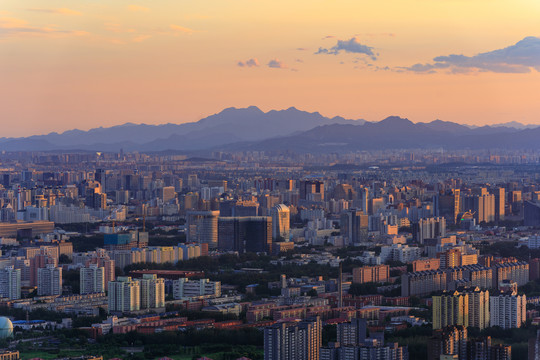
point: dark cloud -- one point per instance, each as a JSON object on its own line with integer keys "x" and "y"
{"x": 276, "y": 64}
{"x": 349, "y": 46}
{"x": 518, "y": 58}
{"x": 253, "y": 62}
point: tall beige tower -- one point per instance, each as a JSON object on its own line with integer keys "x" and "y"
{"x": 281, "y": 216}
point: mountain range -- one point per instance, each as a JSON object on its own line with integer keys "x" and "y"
{"x": 277, "y": 130}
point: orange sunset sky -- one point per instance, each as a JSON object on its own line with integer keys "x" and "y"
{"x": 83, "y": 64}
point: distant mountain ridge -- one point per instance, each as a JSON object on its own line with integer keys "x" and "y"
{"x": 228, "y": 126}
{"x": 291, "y": 129}
{"x": 399, "y": 133}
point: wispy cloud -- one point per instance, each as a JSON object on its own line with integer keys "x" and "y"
{"x": 276, "y": 64}
{"x": 253, "y": 62}
{"x": 138, "y": 8}
{"x": 521, "y": 57}
{"x": 181, "y": 29}
{"x": 59, "y": 11}
{"x": 349, "y": 46}
{"x": 10, "y": 27}
{"x": 141, "y": 38}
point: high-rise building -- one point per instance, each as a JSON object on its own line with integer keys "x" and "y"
{"x": 507, "y": 310}
{"x": 152, "y": 291}
{"x": 167, "y": 193}
{"x": 10, "y": 283}
{"x": 457, "y": 203}
{"x": 345, "y": 192}
{"x": 450, "y": 308}
{"x": 280, "y": 222}
{"x": 49, "y": 280}
{"x": 124, "y": 295}
{"x": 482, "y": 206}
{"x": 500, "y": 203}
{"x": 517, "y": 272}
{"x": 41, "y": 259}
{"x": 352, "y": 333}
{"x": 312, "y": 190}
{"x": 478, "y": 307}
{"x": 298, "y": 341}
{"x": 202, "y": 227}
{"x": 103, "y": 260}
{"x": 450, "y": 258}
{"x": 92, "y": 279}
{"x": 451, "y": 340}
{"x": 422, "y": 283}
{"x": 531, "y": 213}
{"x": 429, "y": 228}
{"x": 245, "y": 234}
{"x": 467, "y": 307}
{"x": 501, "y": 352}
{"x": 354, "y": 226}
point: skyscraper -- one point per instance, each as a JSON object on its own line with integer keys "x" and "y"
{"x": 245, "y": 234}
{"x": 202, "y": 227}
{"x": 500, "y": 203}
{"x": 280, "y": 221}
{"x": 354, "y": 226}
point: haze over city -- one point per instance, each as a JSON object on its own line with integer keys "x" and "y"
{"x": 85, "y": 64}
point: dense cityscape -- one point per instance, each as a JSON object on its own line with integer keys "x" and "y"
{"x": 269, "y": 180}
{"x": 405, "y": 255}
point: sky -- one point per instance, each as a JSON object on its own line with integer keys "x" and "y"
{"x": 91, "y": 63}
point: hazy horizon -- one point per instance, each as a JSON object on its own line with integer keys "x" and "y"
{"x": 60, "y": 131}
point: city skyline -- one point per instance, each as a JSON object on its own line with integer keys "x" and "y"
{"x": 104, "y": 64}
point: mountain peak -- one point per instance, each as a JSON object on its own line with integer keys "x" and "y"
{"x": 396, "y": 120}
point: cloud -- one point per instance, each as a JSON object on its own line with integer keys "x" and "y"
{"x": 18, "y": 27}
{"x": 138, "y": 8}
{"x": 349, "y": 46}
{"x": 141, "y": 38}
{"x": 60, "y": 11}
{"x": 518, "y": 58}
{"x": 301, "y": 49}
{"x": 181, "y": 29}
{"x": 276, "y": 64}
{"x": 253, "y": 62}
